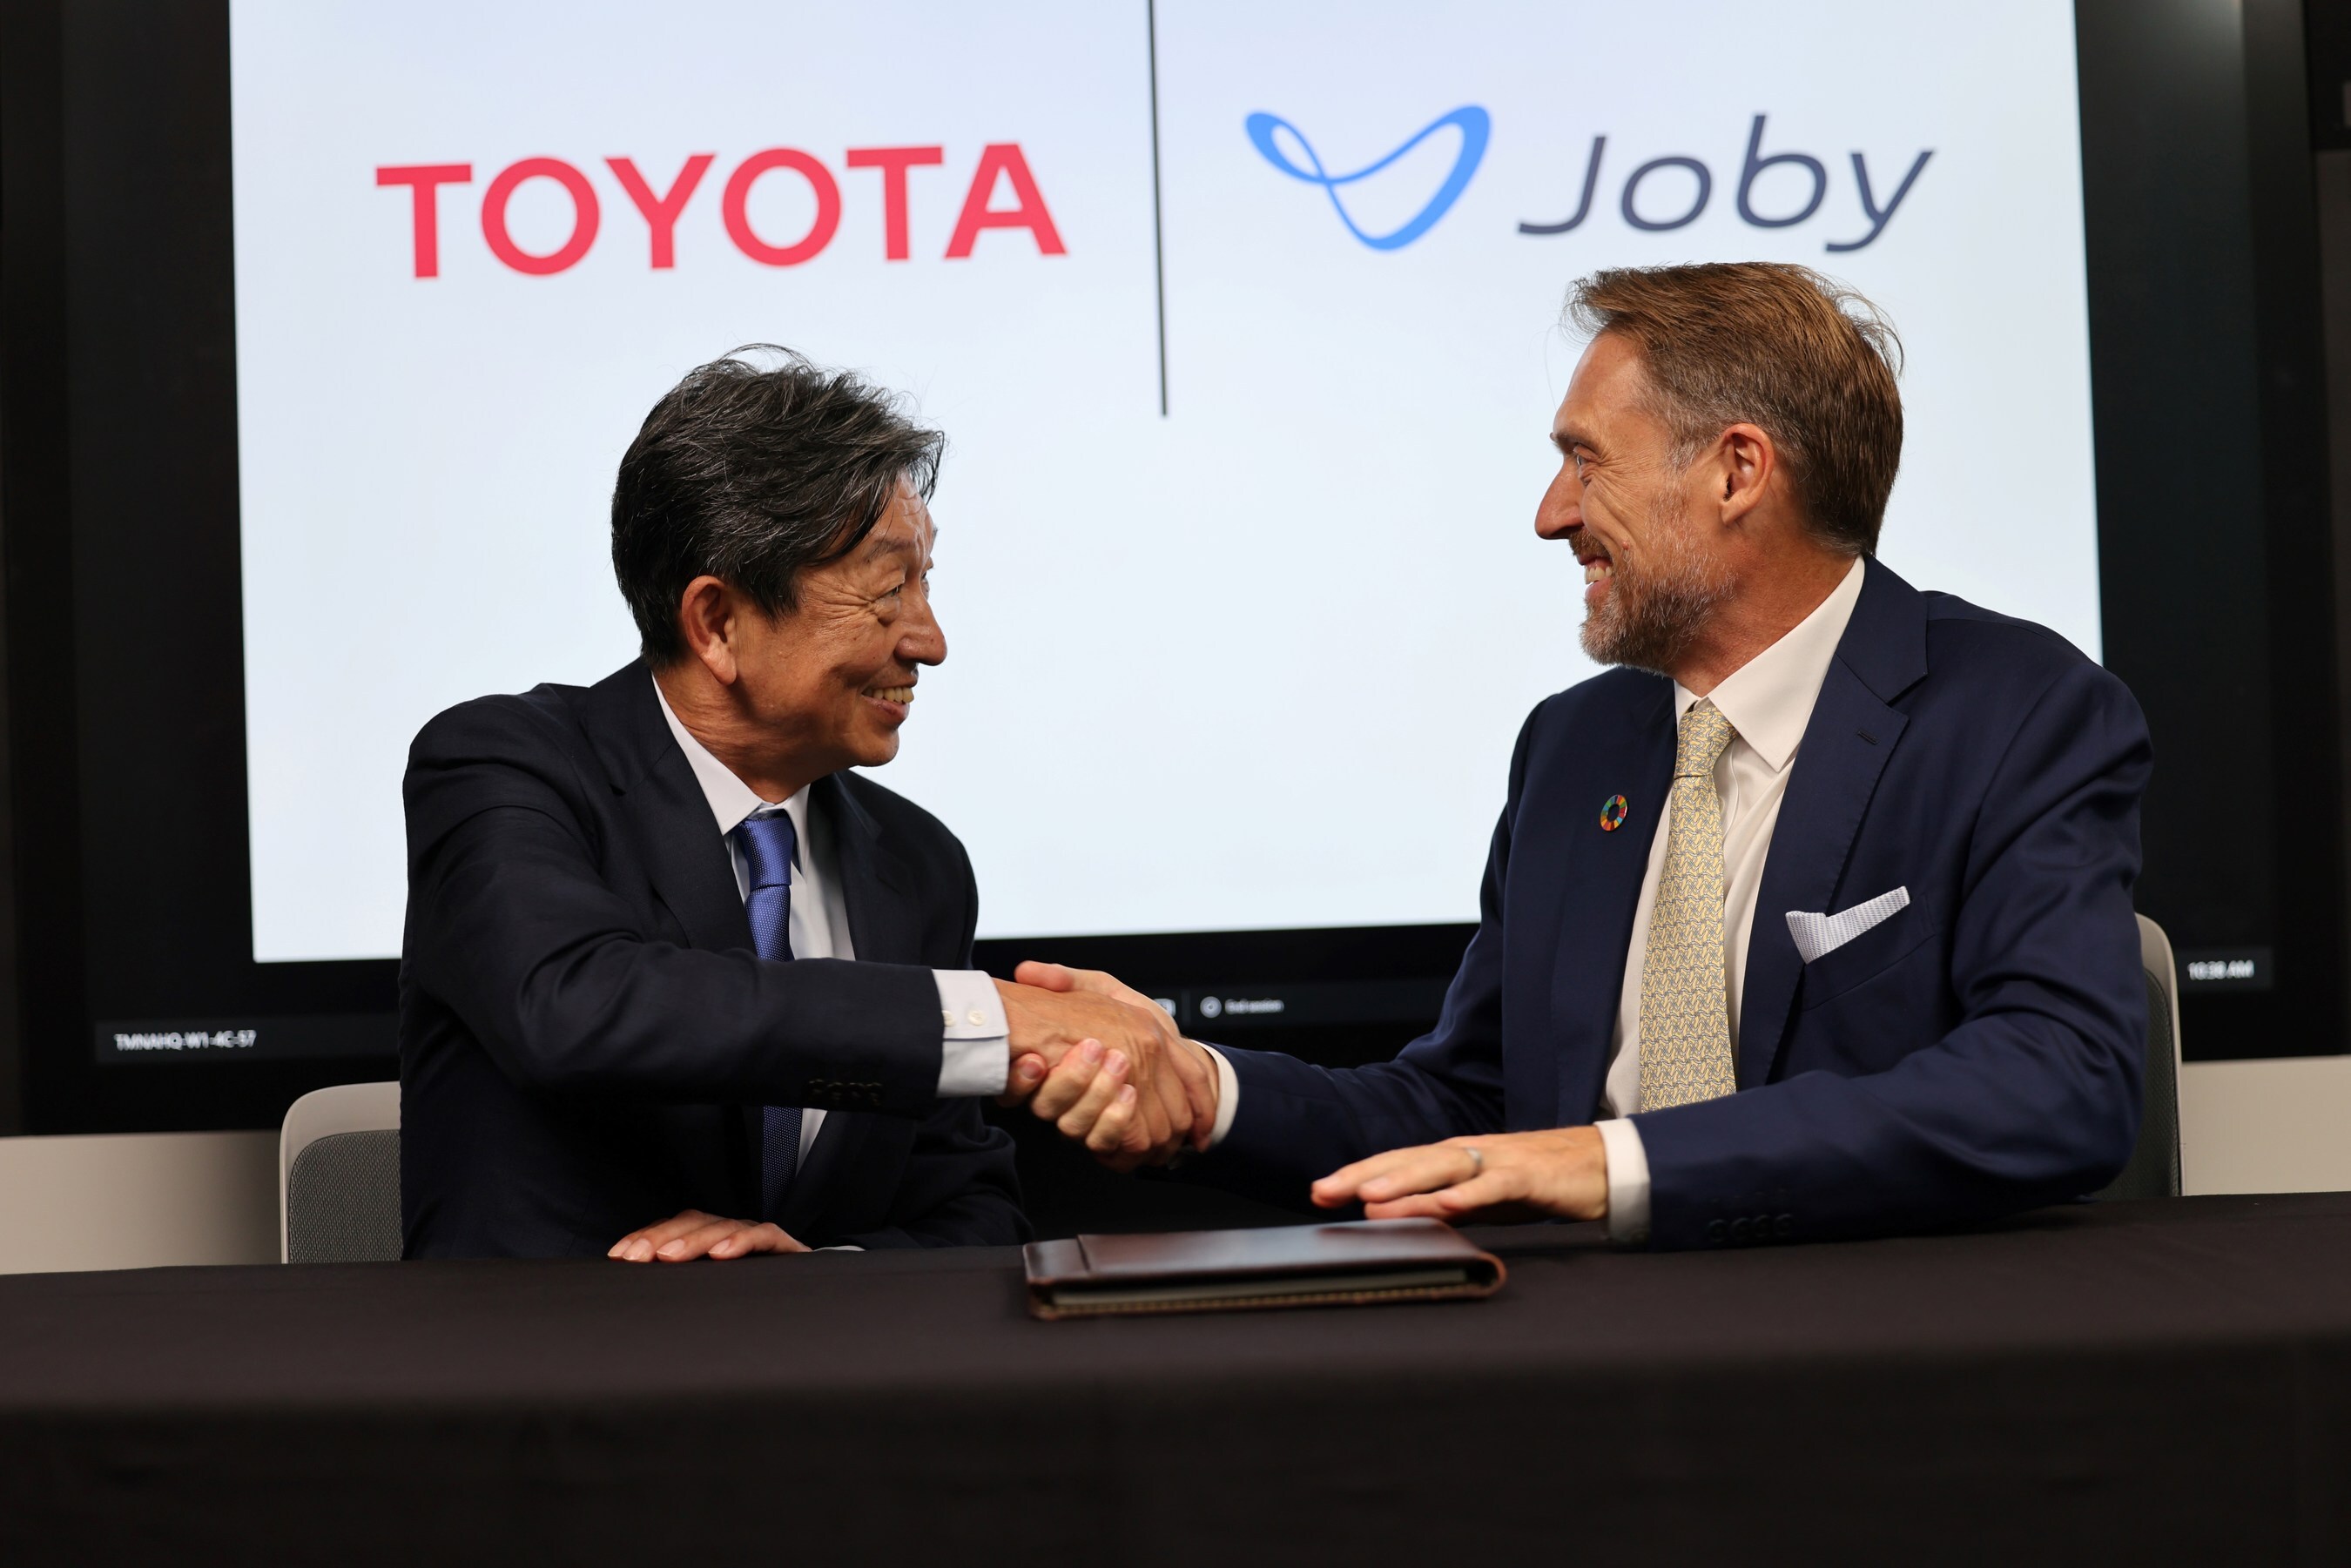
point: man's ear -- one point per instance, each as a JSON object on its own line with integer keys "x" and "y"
{"x": 1745, "y": 460}
{"x": 707, "y": 612}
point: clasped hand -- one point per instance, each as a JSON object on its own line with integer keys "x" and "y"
{"x": 1105, "y": 1064}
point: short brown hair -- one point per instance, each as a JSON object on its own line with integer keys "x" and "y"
{"x": 1802, "y": 357}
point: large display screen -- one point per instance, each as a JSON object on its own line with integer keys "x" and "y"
{"x": 1242, "y": 320}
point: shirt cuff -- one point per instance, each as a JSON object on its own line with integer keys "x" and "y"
{"x": 1228, "y": 1096}
{"x": 975, "y": 1042}
{"x": 1628, "y": 1182}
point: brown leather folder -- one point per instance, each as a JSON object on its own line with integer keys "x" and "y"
{"x": 1341, "y": 1264}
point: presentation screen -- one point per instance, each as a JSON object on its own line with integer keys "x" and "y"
{"x": 1242, "y": 320}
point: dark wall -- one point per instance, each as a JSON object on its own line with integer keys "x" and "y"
{"x": 2216, "y": 548}
{"x": 32, "y": 430}
{"x": 2328, "y": 35}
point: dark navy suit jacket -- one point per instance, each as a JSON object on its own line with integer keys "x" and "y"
{"x": 1978, "y": 1052}
{"x": 587, "y": 1031}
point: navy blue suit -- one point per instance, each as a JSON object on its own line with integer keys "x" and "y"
{"x": 587, "y": 1033}
{"x": 1977, "y": 1053}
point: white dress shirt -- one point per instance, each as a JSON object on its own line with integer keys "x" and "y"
{"x": 1769, "y": 701}
{"x": 974, "y": 1054}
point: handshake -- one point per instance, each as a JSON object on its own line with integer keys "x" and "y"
{"x": 1105, "y": 1064}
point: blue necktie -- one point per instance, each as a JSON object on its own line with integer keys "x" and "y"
{"x": 767, "y": 846}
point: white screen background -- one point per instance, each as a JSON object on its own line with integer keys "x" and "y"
{"x": 1255, "y": 664}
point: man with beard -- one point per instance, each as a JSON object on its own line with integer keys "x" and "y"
{"x": 1814, "y": 918}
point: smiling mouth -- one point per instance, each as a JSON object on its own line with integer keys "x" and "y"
{"x": 1598, "y": 565}
{"x": 891, "y": 694}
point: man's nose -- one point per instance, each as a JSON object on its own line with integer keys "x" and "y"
{"x": 1560, "y": 510}
{"x": 924, "y": 643}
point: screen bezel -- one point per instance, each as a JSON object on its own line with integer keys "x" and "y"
{"x": 125, "y": 679}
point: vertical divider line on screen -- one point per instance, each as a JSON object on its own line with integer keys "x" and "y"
{"x": 1158, "y": 246}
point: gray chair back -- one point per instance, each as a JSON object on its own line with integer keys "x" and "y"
{"x": 338, "y": 1175}
{"x": 2154, "y": 1168}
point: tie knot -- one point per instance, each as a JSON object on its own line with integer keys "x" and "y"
{"x": 1705, "y": 733}
{"x": 767, "y": 846}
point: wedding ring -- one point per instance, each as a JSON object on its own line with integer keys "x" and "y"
{"x": 1477, "y": 1161}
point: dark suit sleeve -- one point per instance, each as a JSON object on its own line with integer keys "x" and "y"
{"x": 959, "y": 1187}
{"x": 2033, "y": 1097}
{"x": 1296, "y": 1121}
{"x": 512, "y": 926}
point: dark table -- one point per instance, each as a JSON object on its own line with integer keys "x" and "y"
{"x": 2126, "y": 1382}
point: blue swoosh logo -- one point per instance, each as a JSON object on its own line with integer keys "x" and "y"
{"x": 1477, "y": 129}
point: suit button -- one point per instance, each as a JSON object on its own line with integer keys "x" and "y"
{"x": 1714, "y": 1231}
{"x": 1738, "y": 1230}
{"x": 1784, "y": 1226}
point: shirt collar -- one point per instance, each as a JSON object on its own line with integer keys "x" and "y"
{"x": 1768, "y": 699}
{"x": 732, "y": 802}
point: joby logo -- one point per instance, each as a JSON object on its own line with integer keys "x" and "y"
{"x": 1477, "y": 129}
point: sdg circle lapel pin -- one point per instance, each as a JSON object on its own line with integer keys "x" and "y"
{"x": 1613, "y": 813}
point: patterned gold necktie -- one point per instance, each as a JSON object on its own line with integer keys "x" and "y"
{"x": 1685, "y": 1014}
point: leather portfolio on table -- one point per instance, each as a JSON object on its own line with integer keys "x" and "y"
{"x": 1346, "y": 1263}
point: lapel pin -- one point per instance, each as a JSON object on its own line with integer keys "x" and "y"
{"x": 1613, "y": 813}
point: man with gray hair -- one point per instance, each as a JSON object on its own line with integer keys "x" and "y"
{"x": 1811, "y": 919}
{"x": 675, "y": 983}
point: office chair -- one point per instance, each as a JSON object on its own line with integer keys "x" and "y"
{"x": 339, "y": 1176}
{"x": 2154, "y": 1168}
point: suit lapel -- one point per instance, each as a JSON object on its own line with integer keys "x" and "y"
{"x": 1846, "y": 743}
{"x": 1600, "y": 890}
{"x": 883, "y": 924}
{"x": 685, "y": 855}
{"x": 884, "y": 928}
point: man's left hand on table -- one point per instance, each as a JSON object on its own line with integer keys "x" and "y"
{"x": 1496, "y": 1176}
{"x": 693, "y": 1234}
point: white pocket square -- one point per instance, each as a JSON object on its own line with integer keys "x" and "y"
{"x": 1819, "y": 934}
